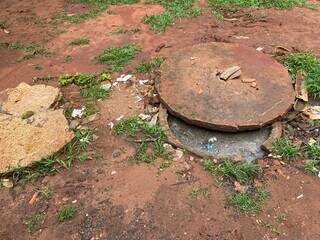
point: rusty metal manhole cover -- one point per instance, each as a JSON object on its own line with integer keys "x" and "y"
{"x": 191, "y": 89}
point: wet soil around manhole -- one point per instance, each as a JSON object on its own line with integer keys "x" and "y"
{"x": 122, "y": 206}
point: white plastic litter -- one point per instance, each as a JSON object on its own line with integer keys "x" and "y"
{"x": 144, "y": 116}
{"x": 300, "y": 196}
{"x": 111, "y": 124}
{"x": 142, "y": 82}
{"x": 106, "y": 87}
{"x": 124, "y": 78}
{"x": 119, "y": 118}
{"x": 78, "y": 112}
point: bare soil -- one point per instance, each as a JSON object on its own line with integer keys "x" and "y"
{"x": 135, "y": 202}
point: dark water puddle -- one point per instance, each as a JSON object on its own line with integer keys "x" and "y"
{"x": 246, "y": 145}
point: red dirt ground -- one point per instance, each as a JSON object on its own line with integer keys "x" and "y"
{"x": 136, "y": 203}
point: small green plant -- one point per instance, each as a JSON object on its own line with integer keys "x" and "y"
{"x": 174, "y": 9}
{"x": 242, "y": 173}
{"x": 83, "y": 157}
{"x": 68, "y": 58}
{"x": 98, "y": 6}
{"x": 197, "y": 192}
{"x": 146, "y": 67}
{"x": 39, "y": 168}
{"x": 313, "y": 151}
{"x": 311, "y": 167}
{"x": 94, "y": 93}
{"x": 129, "y": 126}
{"x": 117, "y": 57}
{"x": 66, "y": 213}
{"x": 249, "y": 202}
{"x": 310, "y": 65}
{"x": 33, "y": 222}
{"x": 33, "y": 50}
{"x": 119, "y": 30}
{"x": 45, "y": 192}
{"x": 284, "y": 148}
{"x": 80, "y": 41}
{"x": 222, "y": 7}
{"x": 30, "y": 50}
{"x": 79, "y": 79}
{"x": 3, "y": 24}
{"x": 135, "y": 128}
{"x": 304, "y": 61}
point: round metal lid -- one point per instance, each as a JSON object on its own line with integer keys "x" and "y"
{"x": 191, "y": 88}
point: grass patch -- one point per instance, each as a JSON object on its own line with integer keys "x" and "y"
{"x": 79, "y": 79}
{"x": 98, "y": 6}
{"x": 224, "y": 7}
{"x": 228, "y": 170}
{"x": 45, "y": 192}
{"x": 146, "y": 67}
{"x": 83, "y": 140}
{"x": 80, "y": 41}
{"x": 94, "y": 93}
{"x": 145, "y": 136}
{"x": 310, "y": 65}
{"x": 117, "y": 57}
{"x": 30, "y": 50}
{"x": 199, "y": 192}
{"x": 173, "y": 9}
{"x": 311, "y": 167}
{"x": 284, "y": 148}
{"x": 123, "y": 30}
{"x": 3, "y": 24}
{"x": 33, "y": 50}
{"x": 65, "y": 214}
{"x": 249, "y": 202}
{"x": 33, "y": 222}
{"x": 313, "y": 151}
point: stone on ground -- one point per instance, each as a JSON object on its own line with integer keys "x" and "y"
{"x": 30, "y": 128}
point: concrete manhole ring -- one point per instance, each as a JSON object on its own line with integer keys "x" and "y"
{"x": 189, "y": 88}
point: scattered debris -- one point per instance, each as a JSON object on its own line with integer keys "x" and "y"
{"x": 154, "y": 120}
{"x": 248, "y": 80}
{"x": 230, "y": 19}
{"x": 238, "y": 187}
{"x": 124, "y": 78}
{"x": 107, "y": 86}
{"x": 210, "y": 144}
{"x": 144, "y": 116}
{"x": 78, "y": 113}
{"x": 34, "y": 198}
{"x": 300, "y": 196}
{"x": 119, "y": 118}
{"x": 90, "y": 118}
{"x": 241, "y": 37}
{"x": 301, "y": 101}
{"x": 7, "y": 183}
{"x": 313, "y": 112}
{"x": 276, "y": 133}
{"x": 230, "y": 73}
{"x": 111, "y": 125}
{"x": 158, "y": 49}
{"x": 74, "y": 124}
{"x": 142, "y": 82}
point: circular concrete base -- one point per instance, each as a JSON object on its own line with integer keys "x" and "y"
{"x": 191, "y": 89}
